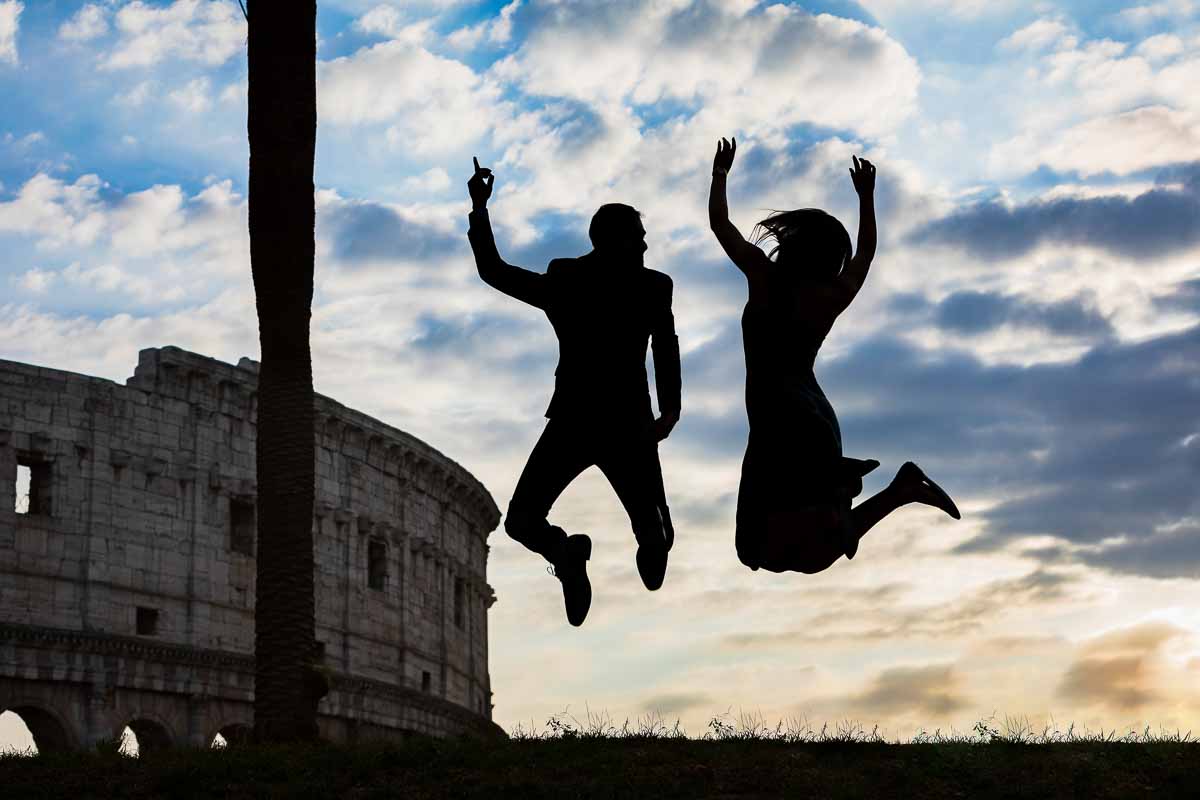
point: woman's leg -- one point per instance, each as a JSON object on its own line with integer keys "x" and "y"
{"x": 809, "y": 540}
{"x": 909, "y": 486}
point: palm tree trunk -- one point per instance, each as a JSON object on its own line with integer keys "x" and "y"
{"x": 282, "y": 127}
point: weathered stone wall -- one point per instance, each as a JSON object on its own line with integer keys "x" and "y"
{"x": 144, "y": 498}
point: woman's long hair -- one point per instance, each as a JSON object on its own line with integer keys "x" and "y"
{"x": 808, "y": 242}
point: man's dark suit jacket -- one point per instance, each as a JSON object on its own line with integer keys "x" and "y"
{"x": 604, "y": 314}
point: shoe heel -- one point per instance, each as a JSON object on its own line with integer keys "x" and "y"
{"x": 583, "y": 549}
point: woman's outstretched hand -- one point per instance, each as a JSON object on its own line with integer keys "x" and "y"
{"x": 480, "y": 185}
{"x": 723, "y": 160}
{"x": 863, "y": 175}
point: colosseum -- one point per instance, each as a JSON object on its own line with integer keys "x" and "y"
{"x": 127, "y": 562}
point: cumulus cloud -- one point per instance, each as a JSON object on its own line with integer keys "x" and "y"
{"x": 933, "y": 689}
{"x": 963, "y": 9}
{"x": 194, "y": 96}
{"x": 55, "y": 211}
{"x": 676, "y": 703}
{"x": 495, "y": 31}
{"x": 10, "y": 23}
{"x": 749, "y": 63}
{"x": 89, "y": 22}
{"x": 1036, "y": 35}
{"x": 428, "y": 104}
{"x": 37, "y": 280}
{"x": 1121, "y": 670}
{"x": 206, "y": 31}
{"x": 152, "y": 245}
{"x": 1098, "y": 105}
{"x": 361, "y": 231}
{"x": 388, "y": 21}
{"x": 1098, "y": 452}
{"x": 1150, "y": 13}
{"x": 974, "y": 312}
{"x": 1148, "y": 137}
{"x": 886, "y": 613}
{"x": 1163, "y": 220}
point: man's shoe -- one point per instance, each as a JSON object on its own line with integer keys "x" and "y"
{"x": 652, "y": 564}
{"x": 571, "y": 569}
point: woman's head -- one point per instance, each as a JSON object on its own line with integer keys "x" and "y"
{"x": 808, "y": 242}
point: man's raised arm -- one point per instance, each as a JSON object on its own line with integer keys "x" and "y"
{"x": 526, "y": 286}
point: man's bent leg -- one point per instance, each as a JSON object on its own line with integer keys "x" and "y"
{"x": 630, "y": 462}
{"x": 558, "y": 457}
{"x": 556, "y": 460}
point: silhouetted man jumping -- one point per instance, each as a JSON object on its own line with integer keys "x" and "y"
{"x": 604, "y": 307}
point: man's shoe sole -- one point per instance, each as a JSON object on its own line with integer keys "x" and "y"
{"x": 579, "y": 547}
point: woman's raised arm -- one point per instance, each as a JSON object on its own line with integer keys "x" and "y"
{"x": 745, "y": 255}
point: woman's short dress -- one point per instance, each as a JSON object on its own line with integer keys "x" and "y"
{"x": 793, "y": 457}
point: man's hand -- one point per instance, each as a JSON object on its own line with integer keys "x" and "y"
{"x": 723, "y": 160}
{"x": 863, "y": 176}
{"x": 664, "y": 424}
{"x": 480, "y": 185}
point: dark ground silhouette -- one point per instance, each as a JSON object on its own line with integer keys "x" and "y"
{"x": 605, "y": 307}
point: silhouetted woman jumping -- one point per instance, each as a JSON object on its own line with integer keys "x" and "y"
{"x": 793, "y": 509}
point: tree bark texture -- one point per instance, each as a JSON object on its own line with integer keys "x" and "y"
{"x": 282, "y": 128}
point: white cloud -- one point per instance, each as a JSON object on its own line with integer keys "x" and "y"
{"x": 1120, "y": 143}
{"x": 1035, "y": 36}
{"x": 24, "y": 142}
{"x": 192, "y": 97}
{"x": 1150, "y": 13}
{"x": 388, "y": 21}
{"x": 964, "y": 9}
{"x": 136, "y": 96}
{"x": 1161, "y": 47}
{"x": 89, "y": 22}
{"x": 57, "y": 212}
{"x": 234, "y": 93}
{"x": 37, "y": 280}
{"x": 206, "y": 31}
{"x": 496, "y": 31}
{"x": 766, "y": 70}
{"x": 434, "y": 180}
{"x": 10, "y": 16}
{"x": 431, "y": 105}
{"x": 1101, "y": 105}
{"x": 152, "y": 245}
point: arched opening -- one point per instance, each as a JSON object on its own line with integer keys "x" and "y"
{"x": 33, "y": 730}
{"x": 232, "y": 735}
{"x": 142, "y": 736}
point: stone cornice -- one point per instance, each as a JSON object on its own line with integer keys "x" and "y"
{"x": 112, "y": 644}
{"x": 133, "y": 646}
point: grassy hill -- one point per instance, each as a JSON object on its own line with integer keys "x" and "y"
{"x": 648, "y": 762}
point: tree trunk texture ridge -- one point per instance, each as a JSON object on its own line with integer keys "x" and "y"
{"x": 282, "y": 127}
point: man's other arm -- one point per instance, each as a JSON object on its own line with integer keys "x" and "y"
{"x": 664, "y": 345}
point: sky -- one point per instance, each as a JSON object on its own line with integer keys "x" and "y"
{"x": 1029, "y": 332}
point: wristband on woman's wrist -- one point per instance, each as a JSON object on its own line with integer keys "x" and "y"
{"x": 720, "y": 171}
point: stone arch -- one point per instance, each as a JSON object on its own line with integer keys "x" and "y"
{"x": 153, "y": 735}
{"x": 50, "y": 733}
{"x": 234, "y": 734}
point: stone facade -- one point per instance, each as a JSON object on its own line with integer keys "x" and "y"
{"x": 127, "y": 578}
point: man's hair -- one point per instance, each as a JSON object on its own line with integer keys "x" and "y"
{"x": 611, "y": 223}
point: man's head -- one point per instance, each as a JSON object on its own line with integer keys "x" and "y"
{"x": 617, "y": 231}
